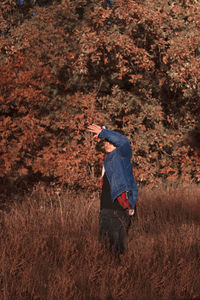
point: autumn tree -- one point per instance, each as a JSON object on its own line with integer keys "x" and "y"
{"x": 132, "y": 65}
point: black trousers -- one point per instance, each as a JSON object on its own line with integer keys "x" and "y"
{"x": 113, "y": 229}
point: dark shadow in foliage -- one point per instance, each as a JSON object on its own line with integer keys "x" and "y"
{"x": 176, "y": 99}
{"x": 31, "y": 3}
{"x": 47, "y": 2}
{"x": 12, "y": 190}
{"x": 178, "y": 104}
{"x": 80, "y": 11}
{"x": 193, "y": 138}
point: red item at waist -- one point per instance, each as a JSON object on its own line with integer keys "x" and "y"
{"x": 123, "y": 200}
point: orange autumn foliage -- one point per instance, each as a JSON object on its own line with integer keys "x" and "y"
{"x": 68, "y": 64}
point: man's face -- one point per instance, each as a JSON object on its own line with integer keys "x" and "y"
{"x": 109, "y": 147}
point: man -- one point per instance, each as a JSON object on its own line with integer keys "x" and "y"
{"x": 119, "y": 189}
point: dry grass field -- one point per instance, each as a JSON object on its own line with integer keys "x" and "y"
{"x": 49, "y": 248}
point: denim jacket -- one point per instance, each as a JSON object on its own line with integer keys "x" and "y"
{"x": 118, "y": 166}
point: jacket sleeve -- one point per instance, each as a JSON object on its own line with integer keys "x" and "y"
{"x": 132, "y": 196}
{"x": 119, "y": 140}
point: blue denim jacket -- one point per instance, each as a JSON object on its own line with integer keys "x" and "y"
{"x": 118, "y": 166}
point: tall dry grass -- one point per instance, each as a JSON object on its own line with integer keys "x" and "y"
{"x": 50, "y": 250}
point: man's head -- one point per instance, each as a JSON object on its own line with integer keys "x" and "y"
{"x": 109, "y": 147}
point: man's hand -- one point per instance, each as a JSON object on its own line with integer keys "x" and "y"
{"x": 95, "y": 129}
{"x": 131, "y": 212}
